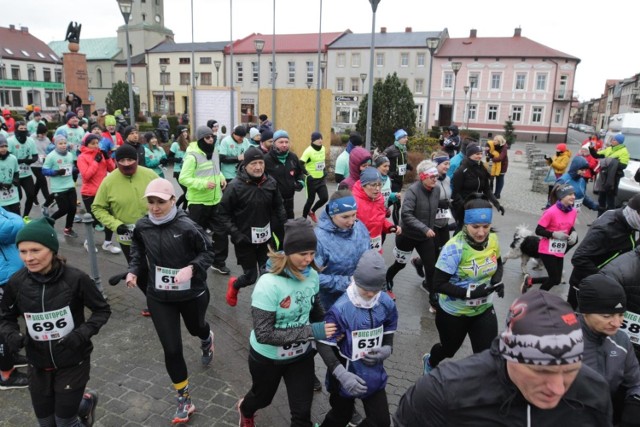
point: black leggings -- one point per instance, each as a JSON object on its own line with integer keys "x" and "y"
{"x": 27, "y": 185}
{"x": 553, "y": 265}
{"x": 88, "y": 201}
{"x": 182, "y": 200}
{"x": 288, "y": 207}
{"x": 376, "y": 408}
{"x": 482, "y": 329}
{"x": 166, "y": 320}
{"x": 426, "y": 252}
{"x": 143, "y": 274}
{"x": 41, "y": 185}
{"x": 67, "y": 203}
{"x": 252, "y": 259}
{"x": 206, "y": 217}
{"x": 6, "y": 358}
{"x": 319, "y": 187}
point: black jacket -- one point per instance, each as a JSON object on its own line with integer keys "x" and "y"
{"x": 477, "y": 391}
{"x": 64, "y": 286}
{"x": 397, "y": 158}
{"x": 176, "y": 244}
{"x": 471, "y": 177}
{"x": 142, "y": 161}
{"x": 419, "y": 208}
{"x": 286, "y": 174}
{"x": 609, "y": 236}
{"x": 249, "y": 203}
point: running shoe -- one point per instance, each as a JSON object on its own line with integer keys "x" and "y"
{"x": 19, "y": 361}
{"x": 86, "y": 247}
{"x": 145, "y": 312}
{"x": 317, "y": 385}
{"x": 77, "y": 218}
{"x": 16, "y": 380}
{"x": 99, "y": 227}
{"x": 208, "y": 348}
{"x": 313, "y": 216}
{"x": 184, "y": 411}
{"x": 424, "y": 287}
{"x": 426, "y": 366}
{"x": 45, "y": 210}
{"x": 26, "y": 219}
{"x": 221, "y": 269}
{"x": 245, "y": 421}
{"x": 111, "y": 248}
{"x": 526, "y": 284}
{"x": 87, "y": 409}
{"x": 232, "y": 292}
{"x": 417, "y": 264}
{"x": 70, "y": 233}
{"x": 356, "y": 418}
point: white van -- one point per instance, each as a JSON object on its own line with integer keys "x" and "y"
{"x": 629, "y": 125}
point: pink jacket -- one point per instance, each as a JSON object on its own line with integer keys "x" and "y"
{"x": 92, "y": 172}
{"x": 553, "y": 219}
{"x": 373, "y": 215}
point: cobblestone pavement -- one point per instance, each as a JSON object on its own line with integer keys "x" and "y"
{"x": 128, "y": 365}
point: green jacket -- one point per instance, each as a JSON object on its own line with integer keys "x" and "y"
{"x": 197, "y": 172}
{"x": 619, "y": 152}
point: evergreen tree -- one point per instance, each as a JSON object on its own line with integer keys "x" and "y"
{"x": 393, "y": 109}
{"x": 509, "y": 136}
{"x": 118, "y": 99}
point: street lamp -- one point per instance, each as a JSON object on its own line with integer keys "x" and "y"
{"x": 259, "y": 45}
{"x": 163, "y": 69}
{"x": 466, "y": 108}
{"x": 472, "y": 82}
{"x": 455, "y": 66}
{"x": 309, "y": 83}
{"x": 125, "y": 9}
{"x": 363, "y": 77}
{"x": 432, "y": 45}
{"x": 374, "y": 7}
{"x": 217, "y": 64}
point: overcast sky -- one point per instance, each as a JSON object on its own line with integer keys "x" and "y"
{"x": 603, "y": 35}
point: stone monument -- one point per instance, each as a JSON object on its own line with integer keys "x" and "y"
{"x": 74, "y": 63}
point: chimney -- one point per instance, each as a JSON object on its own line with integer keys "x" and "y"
{"x": 473, "y": 33}
{"x": 407, "y": 29}
{"x": 383, "y": 30}
{"x": 24, "y": 29}
{"x": 517, "y": 32}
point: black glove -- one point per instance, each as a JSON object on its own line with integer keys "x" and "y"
{"x": 177, "y": 160}
{"x": 240, "y": 238}
{"x": 98, "y": 157}
{"x": 72, "y": 341}
{"x": 480, "y": 291}
{"x": 122, "y": 229}
{"x": 546, "y": 157}
{"x": 501, "y": 210}
{"x": 164, "y": 161}
{"x": 15, "y": 341}
{"x": 631, "y": 412}
{"x": 21, "y": 161}
{"x": 61, "y": 172}
{"x": 498, "y": 288}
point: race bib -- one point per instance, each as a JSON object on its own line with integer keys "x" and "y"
{"x": 49, "y": 325}
{"x": 578, "y": 203}
{"x": 363, "y": 341}
{"x": 631, "y": 326}
{"x": 443, "y": 214}
{"x": 68, "y": 170}
{"x": 165, "y": 280}
{"x": 376, "y": 243}
{"x": 8, "y": 194}
{"x": 41, "y": 158}
{"x": 402, "y": 257}
{"x": 478, "y": 301}
{"x": 260, "y": 234}
{"x": 320, "y": 166}
{"x": 23, "y": 168}
{"x": 128, "y": 235}
{"x": 557, "y": 246}
{"x": 292, "y": 350}
{"x": 402, "y": 170}
{"x": 386, "y": 194}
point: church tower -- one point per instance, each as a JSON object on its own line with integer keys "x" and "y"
{"x": 146, "y": 27}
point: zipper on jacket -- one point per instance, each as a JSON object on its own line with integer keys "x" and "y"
{"x": 50, "y": 341}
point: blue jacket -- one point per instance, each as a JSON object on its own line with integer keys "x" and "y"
{"x": 10, "y": 261}
{"x": 577, "y": 182}
{"x": 455, "y": 164}
{"x": 338, "y": 251}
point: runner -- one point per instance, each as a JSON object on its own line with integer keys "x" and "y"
{"x": 288, "y": 316}
{"x": 313, "y": 159}
{"x": 178, "y": 287}
{"x": 359, "y": 160}
{"x": 42, "y": 143}
{"x": 9, "y": 178}
{"x": 23, "y": 147}
{"x": 176, "y": 154}
{"x": 283, "y": 165}
{"x": 382, "y": 164}
{"x": 341, "y": 168}
{"x": 398, "y": 166}
{"x": 576, "y": 177}
{"x": 155, "y": 156}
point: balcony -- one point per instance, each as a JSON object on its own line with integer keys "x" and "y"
{"x": 562, "y": 94}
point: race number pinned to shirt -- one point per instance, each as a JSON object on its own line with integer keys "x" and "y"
{"x": 631, "y": 326}
{"x": 23, "y": 168}
{"x": 68, "y": 169}
{"x": 295, "y": 349}
{"x": 557, "y": 246}
{"x": 8, "y": 194}
{"x": 49, "y": 325}
{"x": 260, "y": 234}
{"x": 478, "y": 301}
{"x": 376, "y": 243}
{"x": 320, "y": 166}
{"x": 128, "y": 235}
{"x": 365, "y": 340}
{"x": 402, "y": 170}
{"x": 443, "y": 214}
{"x": 386, "y": 194}
{"x": 41, "y": 158}
{"x": 578, "y": 203}
{"x": 165, "y": 280}
{"x": 402, "y": 257}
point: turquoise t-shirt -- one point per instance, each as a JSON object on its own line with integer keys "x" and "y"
{"x": 23, "y": 151}
{"x": 55, "y": 161}
{"x": 467, "y": 267}
{"x": 229, "y": 147}
{"x": 74, "y": 138}
{"x": 153, "y": 157}
{"x": 8, "y": 167}
{"x": 291, "y": 300}
{"x": 342, "y": 164}
{"x": 175, "y": 149}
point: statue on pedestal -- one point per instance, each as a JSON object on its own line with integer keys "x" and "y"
{"x": 73, "y": 32}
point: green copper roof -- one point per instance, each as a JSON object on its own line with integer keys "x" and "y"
{"x": 95, "y": 49}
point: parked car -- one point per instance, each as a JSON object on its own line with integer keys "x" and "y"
{"x": 582, "y": 127}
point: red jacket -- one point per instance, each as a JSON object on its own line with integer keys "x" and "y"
{"x": 372, "y": 213}
{"x": 594, "y": 167}
{"x": 92, "y": 172}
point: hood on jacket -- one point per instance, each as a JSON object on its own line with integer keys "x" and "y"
{"x": 357, "y": 157}
{"x": 577, "y": 163}
{"x": 85, "y": 149}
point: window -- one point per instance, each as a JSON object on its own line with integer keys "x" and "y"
{"x": 448, "y": 80}
{"x": 340, "y": 60}
{"x": 58, "y": 75}
{"x": 164, "y": 61}
{"x": 492, "y": 113}
{"x": 16, "y": 98}
{"x": 536, "y": 115}
{"x": 185, "y": 61}
{"x": 3, "y": 73}
{"x": 239, "y": 72}
{"x": 309, "y": 71}
{"x": 496, "y": 81}
{"x": 48, "y": 98}
{"x": 379, "y": 59}
{"x": 292, "y": 71}
{"x": 557, "y": 118}
{"x": 520, "y": 81}
{"x": 420, "y": 59}
{"x": 144, "y": 17}
{"x": 205, "y": 60}
{"x": 165, "y": 78}
{"x": 133, "y": 78}
{"x": 99, "y": 77}
{"x": 474, "y": 80}
{"x": 419, "y": 88}
{"x": 205, "y": 79}
{"x": 355, "y": 60}
{"x": 254, "y": 71}
{"x": 473, "y": 108}
{"x": 541, "y": 82}
{"x": 270, "y": 72}
{"x": 185, "y": 78}
{"x": 46, "y": 74}
{"x": 355, "y": 85}
{"x": 31, "y": 72}
{"x": 15, "y": 72}
{"x": 516, "y": 113}
{"x": 404, "y": 59}
{"x": 340, "y": 85}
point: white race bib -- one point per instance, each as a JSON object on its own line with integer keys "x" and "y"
{"x": 478, "y": 301}
{"x": 443, "y": 214}
{"x": 631, "y": 326}
{"x": 320, "y": 166}
{"x": 8, "y": 194}
{"x": 557, "y": 246}
{"x": 165, "y": 280}
{"x": 363, "y": 341}
{"x": 68, "y": 170}
{"x": 578, "y": 203}
{"x": 386, "y": 194}
{"x": 376, "y": 243}
{"x": 402, "y": 257}
{"x": 402, "y": 170}
{"x": 127, "y": 236}
{"x": 41, "y": 158}
{"x": 24, "y": 168}
{"x": 260, "y": 234}
{"x": 49, "y": 325}
{"x": 292, "y": 350}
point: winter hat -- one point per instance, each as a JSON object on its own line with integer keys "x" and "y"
{"x": 400, "y": 133}
{"x": 371, "y": 271}
{"x": 127, "y": 131}
{"x": 355, "y": 139}
{"x": 252, "y": 154}
{"x": 266, "y": 135}
{"x": 211, "y": 123}
{"x": 42, "y": 128}
{"x": 341, "y": 205}
{"x": 561, "y": 147}
{"x": 203, "y": 131}
{"x": 161, "y": 188}
{"x": 619, "y": 137}
{"x": 253, "y": 132}
{"x": 473, "y": 149}
{"x": 126, "y": 151}
{"x": 40, "y": 231}
{"x": 298, "y": 236}
{"x": 70, "y": 115}
{"x": 370, "y": 175}
{"x": 240, "y": 131}
{"x": 37, "y": 114}
{"x": 109, "y": 120}
{"x": 3, "y": 141}
{"x": 280, "y": 133}
{"x": 316, "y": 136}
{"x": 148, "y": 136}
{"x": 262, "y": 117}
{"x": 564, "y": 191}
{"x": 542, "y": 329}
{"x": 601, "y": 294}
{"x": 59, "y": 137}
{"x": 380, "y": 160}
{"x": 440, "y": 159}
{"x": 90, "y": 137}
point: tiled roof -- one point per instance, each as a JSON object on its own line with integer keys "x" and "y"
{"x": 385, "y": 40}
{"x": 498, "y": 47}
{"x": 285, "y": 43}
{"x": 187, "y": 47}
{"x": 139, "y": 59}
{"x": 18, "y": 43}
{"x": 96, "y": 49}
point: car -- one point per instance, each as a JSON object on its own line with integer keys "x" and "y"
{"x": 582, "y": 127}
{"x": 590, "y": 130}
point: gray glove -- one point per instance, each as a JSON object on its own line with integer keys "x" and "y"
{"x": 573, "y": 238}
{"x": 353, "y": 384}
{"x": 377, "y": 355}
{"x": 560, "y": 235}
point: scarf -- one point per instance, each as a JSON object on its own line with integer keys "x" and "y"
{"x": 401, "y": 147}
{"x": 21, "y": 136}
{"x": 61, "y": 152}
{"x": 207, "y": 148}
{"x": 563, "y": 208}
{"x": 163, "y": 220}
{"x": 632, "y": 217}
{"x": 282, "y": 157}
{"x": 357, "y": 300}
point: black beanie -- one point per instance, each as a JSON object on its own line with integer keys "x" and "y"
{"x": 91, "y": 137}
{"x": 253, "y": 153}
{"x": 600, "y": 294}
{"x": 266, "y": 135}
{"x": 42, "y": 129}
{"x": 316, "y": 136}
{"x": 240, "y": 131}
{"x": 299, "y": 236}
{"x": 126, "y": 151}
{"x": 473, "y": 149}
{"x": 127, "y": 131}
{"x": 355, "y": 139}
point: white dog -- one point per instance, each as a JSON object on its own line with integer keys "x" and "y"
{"x": 525, "y": 247}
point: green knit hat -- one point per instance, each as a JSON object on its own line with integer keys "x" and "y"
{"x": 40, "y": 231}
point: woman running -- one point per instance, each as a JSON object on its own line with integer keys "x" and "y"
{"x": 155, "y": 156}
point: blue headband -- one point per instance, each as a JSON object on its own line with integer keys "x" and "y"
{"x": 343, "y": 204}
{"x": 478, "y": 216}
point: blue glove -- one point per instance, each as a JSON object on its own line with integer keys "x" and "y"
{"x": 318, "y": 331}
{"x": 377, "y": 355}
{"x": 353, "y": 384}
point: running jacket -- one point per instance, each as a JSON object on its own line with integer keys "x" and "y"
{"x": 397, "y": 160}
{"x": 373, "y": 214}
{"x": 357, "y": 157}
{"x": 92, "y": 172}
{"x": 10, "y": 261}
{"x": 578, "y": 183}
{"x": 477, "y": 391}
{"x": 419, "y": 208}
{"x": 286, "y": 174}
{"x": 174, "y": 245}
{"x": 64, "y": 286}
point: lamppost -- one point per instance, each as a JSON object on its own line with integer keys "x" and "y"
{"x": 455, "y": 66}
{"x": 163, "y": 69}
{"x": 259, "y": 45}
{"x": 472, "y": 82}
{"x": 309, "y": 84}
{"x": 217, "y": 64}
{"x": 323, "y": 65}
{"x": 32, "y": 71}
{"x": 466, "y": 110}
{"x": 374, "y": 7}
{"x": 274, "y": 74}
{"x": 432, "y": 45}
{"x": 125, "y": 9}
{"x": 318, "y": 78}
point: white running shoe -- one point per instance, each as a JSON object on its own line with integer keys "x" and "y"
{"x": 110, "y": 247}
{"x": 86, "y": 247}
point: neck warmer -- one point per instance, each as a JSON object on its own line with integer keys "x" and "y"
{"x": 21, "y": 136}
{"x": 282, "y": 157}
{"x": 564, "y": 208}
{"x": 357, "y": 300}
{"x": 401, "y": 147}
{"x": 632, "y": 217}
{"x": 165, "y": 219}
{"x": 207, "y": 148}
{"x": 475, "y": 245}
{"x": 61, "y": 152}
{"x": 128, "y": 170}
{"x": 316, "y": 147}
{"x": 350, "y": 147}
{"x": 304, "y": 272}
{"x": 4, "y": 156}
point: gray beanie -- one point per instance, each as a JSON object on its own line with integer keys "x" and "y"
{"x": 371, "y": 272}
{"x": 203, "y": 131}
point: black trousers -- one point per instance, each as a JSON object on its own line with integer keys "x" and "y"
{"x": 376, "y": 408}
{"x": 58, "y": 392}
{"x": 41, "y": 185}
{"x": 482, "y": 329}
{"x": 166, "y": 320}
{"x": 426, "y": 251}
{"x": 319, "y": 187}
{"x": 67, "y": 202}
{"x": 26, "y": 185}
{"x": 6, "y": 358}
{"x": 553, "y": 265}
{"x": 182, "y": 200}
{"x": 288, "y": 207}
{"x": 206, "y": 217}
{"x": 143, "y": 276}
{"x": 251, "y": 258}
